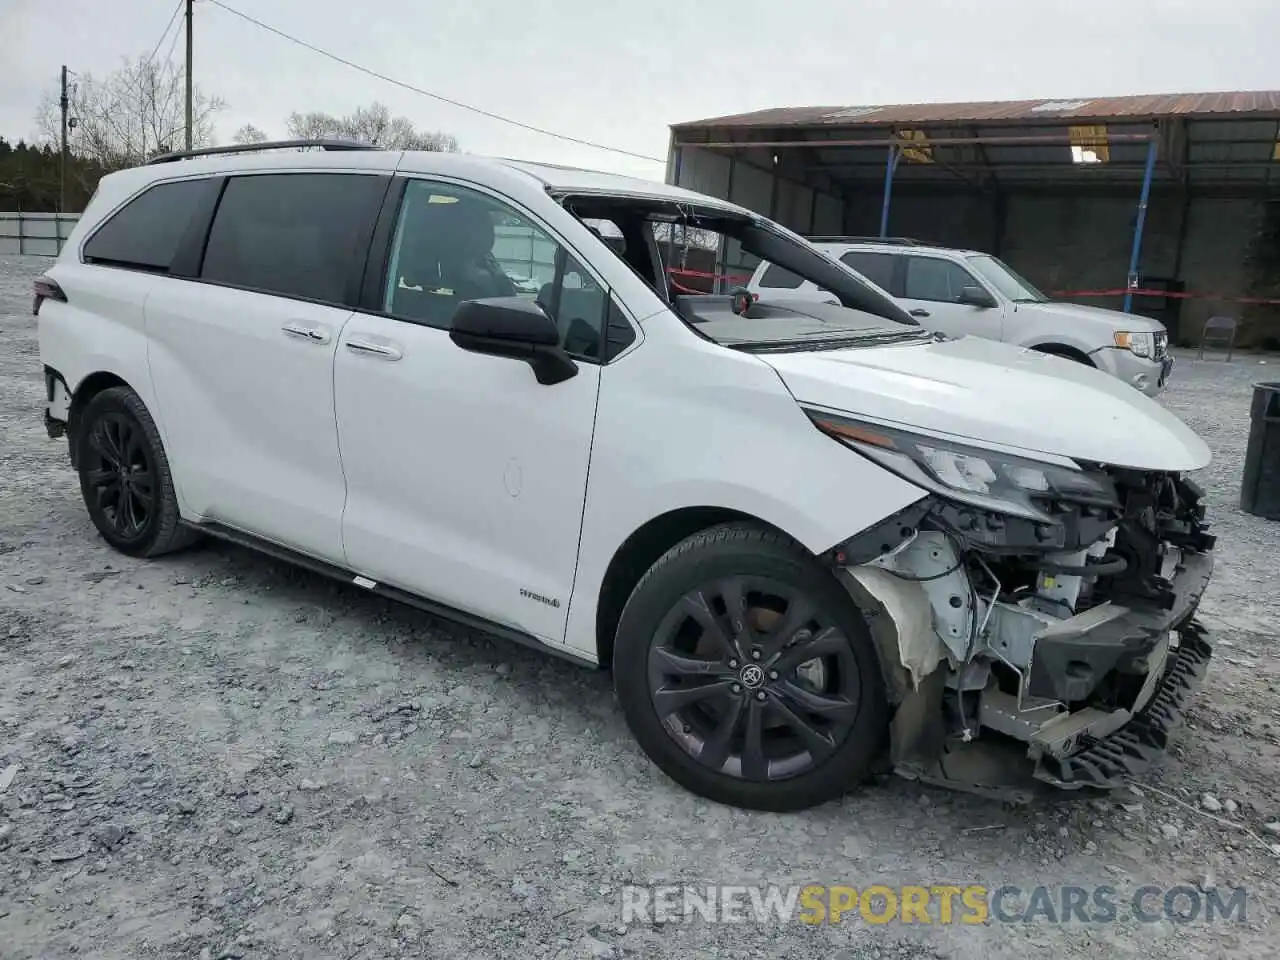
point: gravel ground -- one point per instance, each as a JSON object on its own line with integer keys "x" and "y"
{"x": 220, "y": 756}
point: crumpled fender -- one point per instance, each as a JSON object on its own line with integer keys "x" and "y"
{"x": 901, "y": 621}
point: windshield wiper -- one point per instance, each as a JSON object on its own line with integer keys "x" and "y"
{"x": 894, "y": 336}
{"x": 833, "y": 341}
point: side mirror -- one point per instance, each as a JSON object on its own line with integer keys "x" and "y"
{"x": 974, "y": 296}
{"x": 515, "y": 328}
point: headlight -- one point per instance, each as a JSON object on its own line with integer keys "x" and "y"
{"x": 994, "y": 481}
{"x": 1139, "y": 344}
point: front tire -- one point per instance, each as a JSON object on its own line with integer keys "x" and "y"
{"x": 125, "y": 478}
{"x": 747, "y": 673}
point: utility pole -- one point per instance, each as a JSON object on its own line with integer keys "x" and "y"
{"x": 190, "y": 10}
{"x": 64, "y": 103}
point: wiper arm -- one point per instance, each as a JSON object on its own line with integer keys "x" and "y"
{"x": 834, "y": 340}
{"x": 892, "y": 336}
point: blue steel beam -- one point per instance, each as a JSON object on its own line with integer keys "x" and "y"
{"x": 1136, "y": 254}
{"x": 889, "y": 167}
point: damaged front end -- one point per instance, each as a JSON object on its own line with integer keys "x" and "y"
{"x": 1033, "y": 618}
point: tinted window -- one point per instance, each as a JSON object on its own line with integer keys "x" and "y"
{"x": 453, "y": 244}
{"x": 578, "y": 304}
{"x": 619, "y": 334}
{"x": 780, "y": 277}
{"x": 876, "y": 267}
{"x": 939, "y": 280}
{"x": 292, "y": 234}
{"x": 146, "y": 232}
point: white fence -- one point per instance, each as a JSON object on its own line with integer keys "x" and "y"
{"x": 40, "y": 234}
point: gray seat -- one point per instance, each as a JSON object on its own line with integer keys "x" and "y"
{"x": 1221, "y": 331}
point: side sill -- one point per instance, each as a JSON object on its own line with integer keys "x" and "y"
{"x": 427, "y": 605}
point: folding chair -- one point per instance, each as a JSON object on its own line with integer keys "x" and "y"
{"x": 1221, "y": 330}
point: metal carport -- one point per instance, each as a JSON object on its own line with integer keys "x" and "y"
{"x": 1149, "y": 202}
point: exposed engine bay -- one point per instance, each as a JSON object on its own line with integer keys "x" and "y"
{"x": 1068, "y": 633}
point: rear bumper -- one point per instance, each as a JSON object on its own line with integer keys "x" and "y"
{"x": 1107, "y": 761}
{"x": 57, "y": 411}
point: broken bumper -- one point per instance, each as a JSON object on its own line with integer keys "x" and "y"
{"x": 1072, "y": 658}
{"x": 1108, "y": 761}
{"x": 58, "y": 403}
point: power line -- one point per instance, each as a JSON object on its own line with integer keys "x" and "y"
{"x": 168, "y": 57}
{"x": 427, "y": 93}
{"x": 168, "y": 27}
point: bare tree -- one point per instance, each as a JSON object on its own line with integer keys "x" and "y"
{"x": 132, "y": 114}
{"x": 373, "y": 125}
{"x": 249, "y": 134}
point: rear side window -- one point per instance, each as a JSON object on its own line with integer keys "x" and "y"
{"x": 780, "y": 278}
{"x": 876, "y": 267}
{"x": 145, "y": 233}
{"x": 293, "y": 234}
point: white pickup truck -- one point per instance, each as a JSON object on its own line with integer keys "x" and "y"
{"x": 965, "y": 292}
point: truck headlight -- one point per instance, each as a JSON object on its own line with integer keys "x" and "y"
{"x": 1139, "y": 344}
{"x": 989, "y": 479}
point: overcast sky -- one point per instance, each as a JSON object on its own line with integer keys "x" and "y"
{"x": 620, "y": 73}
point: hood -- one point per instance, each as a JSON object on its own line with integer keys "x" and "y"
{"x": 984, "y": 390}
{"x": 1082, "y": 313}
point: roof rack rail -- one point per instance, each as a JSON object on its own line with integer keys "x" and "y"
{"x": 896, "y": 241}
{"x": 255, "y": 147}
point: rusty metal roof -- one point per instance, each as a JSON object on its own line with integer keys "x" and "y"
{"x": 1249, "y": 103}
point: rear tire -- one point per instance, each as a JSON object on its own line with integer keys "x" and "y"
{"x": 781, "y": 707}
{"x": 125, "y": 478}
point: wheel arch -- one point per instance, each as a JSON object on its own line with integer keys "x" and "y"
{"x": 640, "y": 551}
{"x": 1064, "y": 350}
{"x": 85, "y": 391}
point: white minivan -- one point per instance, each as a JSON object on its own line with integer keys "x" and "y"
{"x": 811, "y": 541}
{"x": 968, "y": 293}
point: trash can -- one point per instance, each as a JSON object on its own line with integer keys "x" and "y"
{"x": 1260, "y": 486}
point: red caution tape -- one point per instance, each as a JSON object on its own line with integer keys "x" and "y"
{"x": 734, "y": 277}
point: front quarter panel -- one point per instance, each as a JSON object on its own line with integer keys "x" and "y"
{"x": 683, "y": 423}
{"x": 1028, "y": 326}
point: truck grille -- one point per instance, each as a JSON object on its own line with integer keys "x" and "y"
{"x": 1162, "y": 344}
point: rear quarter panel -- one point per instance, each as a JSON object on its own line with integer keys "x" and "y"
{"x": 101, "y": 326}
{"x": 99, "y": 329}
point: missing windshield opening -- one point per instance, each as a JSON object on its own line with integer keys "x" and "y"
{"x": 681, "y": 248}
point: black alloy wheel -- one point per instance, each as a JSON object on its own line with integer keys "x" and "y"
{"x": 125, "y": 477}
{"x": 753, "y": 680}
{"x": 120, "y": 475}
{"x": 748, "y": 674}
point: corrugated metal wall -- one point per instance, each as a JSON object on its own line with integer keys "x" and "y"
{"x": 1064, "y": 241}
{"x": 795, "y": 205}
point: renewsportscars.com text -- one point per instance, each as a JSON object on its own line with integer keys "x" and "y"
{"x": 939, "y": 904}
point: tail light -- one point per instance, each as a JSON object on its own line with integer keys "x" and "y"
{"x": 45, "y": 288}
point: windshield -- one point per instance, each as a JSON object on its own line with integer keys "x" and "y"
{"x": 1002, "y": 277}
{"x": 696, "y": 256}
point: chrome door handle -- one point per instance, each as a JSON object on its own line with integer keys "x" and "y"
{"x": 314, "y": 334}
{"x": 385, "y": 351}
{"x": 919, "y": 312}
